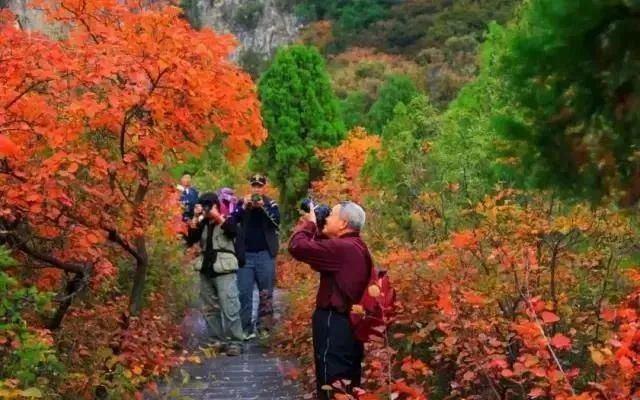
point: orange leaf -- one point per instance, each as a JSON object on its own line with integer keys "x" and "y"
{"x": 473, "y": 298}
{"x": 463, "y": 240}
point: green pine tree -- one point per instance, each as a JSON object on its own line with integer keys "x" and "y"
{"x": 571, "y": 68}
{"x": 397, "y": 89}
{"x": 301, "y": 113}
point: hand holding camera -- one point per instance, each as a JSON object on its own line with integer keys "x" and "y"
{"x": 216, "y": 215}
{"x": 253, "y": 200}
{"x": 198, "y": 213}
{"x": 319, "y": 214}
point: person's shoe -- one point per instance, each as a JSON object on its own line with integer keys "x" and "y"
{"x": 234, "y": 350}
{"x": 249, "y": 335}
{"x": 263, "y": 334}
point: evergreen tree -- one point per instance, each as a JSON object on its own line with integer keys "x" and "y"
{"x": 397, "y": 89}
{"x": 301, "y": 113}
{"x": 572, "y": 68}
{"x": 400, "y": 169}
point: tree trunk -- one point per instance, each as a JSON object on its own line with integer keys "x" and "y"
{"x": 70, "y": 290}
{"x": 140, "y": 277}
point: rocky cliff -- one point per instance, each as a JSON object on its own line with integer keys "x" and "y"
{"x": 28, "y": 19}
{"x": 261, "y": 26}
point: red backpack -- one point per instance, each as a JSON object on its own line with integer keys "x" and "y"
{"x": 371, "y": 316}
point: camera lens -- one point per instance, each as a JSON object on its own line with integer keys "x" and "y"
{"x": 305, "y": 205}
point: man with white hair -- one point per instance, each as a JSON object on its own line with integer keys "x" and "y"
{"x": 344, "y": 263}
{"x": 188, "y": 197}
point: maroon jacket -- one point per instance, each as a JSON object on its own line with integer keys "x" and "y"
{"x": 344, "y": 264}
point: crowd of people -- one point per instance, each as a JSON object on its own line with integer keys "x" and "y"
{"x": 238, "y": 239}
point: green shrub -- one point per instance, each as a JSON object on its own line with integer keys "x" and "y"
{"x": 26, "y": 354}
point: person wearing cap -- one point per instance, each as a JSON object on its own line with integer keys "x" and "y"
{"x": 218, "y": 273}
{"x": 259, "y": 218}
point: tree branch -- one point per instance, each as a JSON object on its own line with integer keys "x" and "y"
{"x": 115, "y": 237}
{"x": 7, "y": 170}
{"x": 15, "y": 242}
{"x": 24, "y": 92}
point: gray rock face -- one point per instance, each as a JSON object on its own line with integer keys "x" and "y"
{"x": 29, "y": 19}
{"x": 261, "y": 26}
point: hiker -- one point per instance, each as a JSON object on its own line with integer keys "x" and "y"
{"x": 228, "y": 201}
{"x": 188, "y": 197}
{"x": 342, "y": 258}
{"x": 218, "y": 280}
{"x": 259, "y": 220}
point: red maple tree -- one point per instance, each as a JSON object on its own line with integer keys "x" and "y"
{"x": 91, "y": 121}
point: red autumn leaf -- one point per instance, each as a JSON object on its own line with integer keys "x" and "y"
{"x": 7, "y": 147}
{"x": 536, "y": 392}
{"x": 549, "y": 318}
{"x": 560, "y": 341}
{"x": 507, "y": 373}
{"x": 608, "y": 314}
{"x": 625, "y": 363}
{"x": 469, "y": 376}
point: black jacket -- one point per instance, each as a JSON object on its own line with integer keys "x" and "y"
{"x": 270, "y": 224}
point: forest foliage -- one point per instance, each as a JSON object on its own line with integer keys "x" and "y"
{"x": 492, "y": 144}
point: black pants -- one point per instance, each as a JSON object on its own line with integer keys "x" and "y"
{"x": 338, "y": 355}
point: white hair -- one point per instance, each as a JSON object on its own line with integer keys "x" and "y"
{"x": 353, "y": 214}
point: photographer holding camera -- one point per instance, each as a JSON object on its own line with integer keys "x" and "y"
{"x": 342, "y": 258}
{"x": 259, "y": 220}
{"x": 218, "y": 279}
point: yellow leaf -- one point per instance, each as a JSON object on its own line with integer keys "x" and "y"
{"x": 357, "y": 309}
{"x": 374, "y": 291}
{"x": 597, "y": 357}
{"x": 195, "y": 359}
{"x": 111, "y": 362}
{"x": 32, "y": 393}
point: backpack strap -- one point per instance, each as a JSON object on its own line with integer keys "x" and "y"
{"x": 372, "y": 276}
{"x": 372, "y": 268}
{"x": 225, "y": 251}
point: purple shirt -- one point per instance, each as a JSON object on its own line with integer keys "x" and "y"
{"x": 344, "y": 264}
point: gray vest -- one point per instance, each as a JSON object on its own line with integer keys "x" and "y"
{"x": 225, "y": 260}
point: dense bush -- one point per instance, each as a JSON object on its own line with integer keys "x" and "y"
{"x": 28, "y": 359}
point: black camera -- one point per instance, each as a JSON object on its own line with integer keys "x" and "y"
{"x": 256, "y": 198}
{"x": 322, "y": 211}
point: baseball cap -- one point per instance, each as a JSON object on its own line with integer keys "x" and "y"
{"x": 258, "y": 179}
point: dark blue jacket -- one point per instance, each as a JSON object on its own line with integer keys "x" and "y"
{"x": 188, "y": 199}
{"x": 269, "y": 226}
